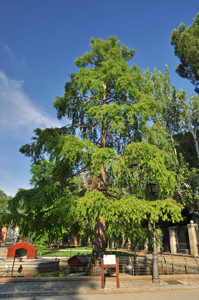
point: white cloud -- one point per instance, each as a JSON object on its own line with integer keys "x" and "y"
{"x": 17, "y": 112}
{"x": 9, "y": 51}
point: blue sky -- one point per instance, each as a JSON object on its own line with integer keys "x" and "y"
{"x": 39, "y": 41}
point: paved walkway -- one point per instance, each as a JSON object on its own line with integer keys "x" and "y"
{"x": 79, "y": 288}
{"x": 157, "y": 295}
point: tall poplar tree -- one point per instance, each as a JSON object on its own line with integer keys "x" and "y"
{"x": 175, "y": 127}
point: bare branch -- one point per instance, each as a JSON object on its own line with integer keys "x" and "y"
{"x": 90, "y": 129}
{"x": 82, "y": 126}
{"x": 80, "y": 171}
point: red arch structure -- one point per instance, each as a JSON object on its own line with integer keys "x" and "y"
{"x": 31, "y": 251}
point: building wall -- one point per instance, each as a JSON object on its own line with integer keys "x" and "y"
{"x": 3, "y": 232}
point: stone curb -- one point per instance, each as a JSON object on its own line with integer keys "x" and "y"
{"x": 93, "y": 292}
{"x": 98, "y": 278}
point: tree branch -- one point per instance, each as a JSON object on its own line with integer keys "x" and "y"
{"x": 90, "y": 129}
{"x": 82, "y": 126}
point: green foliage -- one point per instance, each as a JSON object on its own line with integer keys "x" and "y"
{"x": 187, "y": 194}
{"x": 190, "y": 117}
{"x": 166, "y": 97}
{"x": 122, "y": 124}
{"x": 169, "y": 115}
{"x": 184, "y": 145}
{"x": 106, "y": 97}
{"x": 4, "y": 216}
{"x": 40, "y": 240}
{"x": 3, "y": 200}
{"x": 41, "y": 210}
{"x": 186, "y": 46}
{"x": 143, "y": 162}
{"x": 126, "y": 215}
{"x": 175, "y": 129}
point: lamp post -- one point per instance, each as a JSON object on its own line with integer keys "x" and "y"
{"x": 152, "y": 188}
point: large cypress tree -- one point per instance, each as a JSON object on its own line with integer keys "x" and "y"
{"x": 109, "y": 104}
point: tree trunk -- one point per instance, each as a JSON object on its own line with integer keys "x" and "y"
{"x": 194, "y": 134}
{"x": 99, "y": 241}
{"x": 99, "y": 244}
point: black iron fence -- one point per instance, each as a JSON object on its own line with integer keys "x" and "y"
{"x": 165, "y": 240}
{"x": 197, "y": 235}
{"x": 182, "y": 240}
{"x": 139, "y": 265}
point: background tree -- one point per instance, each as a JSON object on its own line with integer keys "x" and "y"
{"x": 175, "y": 129}
{"x": 175, "y": 113}
{"x": 190, "y": 118}
{"x": 45, "y": 208}
{"x": 165, "y": 122}
{"x": 4, "y": 199}
{"x": 186, "y": 46}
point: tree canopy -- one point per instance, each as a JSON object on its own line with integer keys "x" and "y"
{"x": 90, "y": 175}
{"x": 106, "y": 100}
{"x": 4, "y": 200}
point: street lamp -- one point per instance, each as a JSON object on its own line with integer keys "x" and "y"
{"x": 152, "y": 188}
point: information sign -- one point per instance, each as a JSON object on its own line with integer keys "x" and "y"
{"x": 109, "y": 259}
{"x": 111, "y": 262}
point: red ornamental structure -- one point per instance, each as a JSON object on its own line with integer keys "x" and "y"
{"x": 22, "y": 249}
{"x": 77, "y": 261}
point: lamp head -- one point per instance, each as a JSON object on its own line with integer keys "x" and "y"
{"x": 152, "y": 187}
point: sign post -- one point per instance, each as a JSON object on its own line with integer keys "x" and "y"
{"x": 109, "y": 262}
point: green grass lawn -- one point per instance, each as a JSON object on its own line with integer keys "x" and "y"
{"x": 68, "y": 252}
{"x": 63, "y": 251}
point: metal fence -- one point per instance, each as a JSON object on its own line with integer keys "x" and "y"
{"x": 197, "y": 234}
{"x": 165, "y": 240}
{"x": 183, "y": 240}
{"x": 137, "y": 265}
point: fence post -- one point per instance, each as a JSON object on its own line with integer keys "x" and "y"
{"x": 173, "y": 240}
{"x": 193, "y": 238}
